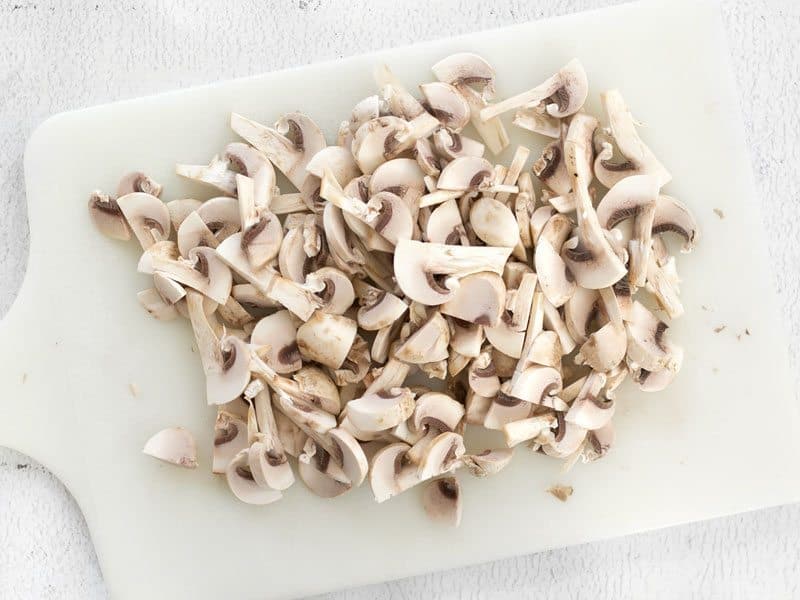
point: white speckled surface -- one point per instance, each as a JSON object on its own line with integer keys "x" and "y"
{"x": 59, "y": 55}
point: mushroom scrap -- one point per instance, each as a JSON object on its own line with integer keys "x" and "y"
{"x": 408, "y": 286}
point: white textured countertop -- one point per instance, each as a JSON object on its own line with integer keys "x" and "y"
{"x": 60, "y": 55}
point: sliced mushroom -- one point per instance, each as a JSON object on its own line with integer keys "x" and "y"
{"x": 261, "y": 230}
{"x": 180, "y": 209}
{"x": 390, "y": 473}
{"x": 354, "y": 461}
{"x": 466, "y": 173}
{"x": 401, "y": 177}
{"x": 202, "y": 270}
{"x": 482, "y": 375}
{"x": 535, "y": 118}
{"x": 427, "y": 344}
{"x": 193, "y": 233}
{"x": 146, "y": 215}
{"x": 384, "y": 138}
{"x": 488, "y": 462}
{"x": 567, "y": 440}
{"x": 435, "y": 413}
{"x": 555, "y": 322}
{"x": 107, "y": 216}
{"x": 655, "y": 381}
{"x": 450, "y": 145}
{"x": 221, "y": 215}
{"x": 465, "y": 68}
{"x": 381, "y": 410}
{"x": 335, "y": 293}
{"x": 441, "y": 455}
{"x": 326, "y": 338}
{"x": 648, "y": 347}
{"x": 589, "y": 410}
{"x": 565, "y": 92}
{"x": 531, "y": 428}
{"x": 494, "y": 223}
{"x": 355, "y": 365}
{"x": 606, "y": 347}
{"x": 275, "y": 341}
{"x": 441, "y": 499}
{"x": 579, "y": 312}
{"x": 555, "y": 279}
{"x": 445, "y": 226}
{"x": 243, "y": 485}
{"x": 506, "y": 409}
{"x": 314, "y": 475}
{"x": 174, "y": 445}
{"x": 466, "y": 338}
{"x": 378, "y": 309}
{"x": 154, "y": 304}
{"x": 538, "y": 385}
{"x": 230, "y": 437}
{"x": 216, "y": 173}
{"x": 673, "y": 216}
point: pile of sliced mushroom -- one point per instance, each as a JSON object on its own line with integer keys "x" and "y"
{"x": 408, "y": 286}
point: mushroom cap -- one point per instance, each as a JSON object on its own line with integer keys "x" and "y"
{"x": 378, "y": 309}
{"x": 275, "y": 339}
{"x": 673, "y": 216}
{"x": 627, "y": 199}
{"x": 655, "y": 381}
{"x": 336, "y": 158}
{"x": 221, "y": 216}
{"x": 488, "y": 462}
{"x": 243, "y": 158}
{"x": 180, "y": 209}
{"x": 230, "y": 437}
{"x": 269, "y": 467}
{"x": 479, "y": 299}
{"x": 466, "y": 173}
{"x": 317, "y": 480}
{"x": 441, "y": 455}
{"x": 400, "y": 176}
{"x": 381, "y": 410}
{"x": 231, "y": 377}
{"x": 173, "y": 445}
{"x": 385, "y": 467}
{"x": 466, "y": 68}
{"x": 336, "y": 292}
{"x": 441, "y": 499}
{"x": 107, "y": 217}
{"x": 326, "y": 338}
{"x": 243, "y": 485}
{"x": 261, "y": 241}
{"x": 354, "y": 461}
{"x": 427, "y": 344}
{"x": 482, "y": 376}
{"x": 537, "y": 384}
{"x": 493, "y": 222}
{"x": 147, "y": 216}
{"x": 446, "y": 103}
{"x": 436, "y": 411}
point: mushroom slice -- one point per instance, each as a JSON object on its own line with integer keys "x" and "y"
{"x": 531, "y": 428}
{"x": 436, "y": 412}
{"x": 538, "y": 385}
{"x": 555, "y": 278}
{"x": 392, "y": 374}
{"x": 535, "y": 118}
{"x": 193, "y": 233}
{"x": 450, "y": 145}
{"x": 402, "y": 177}
{"x": 290, "y": 145}
{"x": 465, "y": 338}
{"x": 342, "y": 251}
{"x": 107, "y": 216}
{"x": 154, "y": 304}
{"x": 386, "y": 468}
{"x": 553, "y": 321}
{"x": 313, "y": 473}
{"x": 335, "y": 293}
{"x": 479, "y": 298}
{"x": 216, "y": 173}
{"x": 606, "y": 347}
{"x": 268, "y": 467}
{"x": 249, "y": 297}
{"x": 444, "y": 225}
{"x": 230, "y": 437}
{"x": 655, "y": 381}
{"x": 138, "y": 182}
{"x": 673, "y": 216}
{"x": 465, "y": 68}
{"x": 482, "y": 376}
{"x": 365, "y": 110}
{"x": 539, "y": 219}
{"x": 306, "y": 416}
{"x": 565, "y": 92}
{"x": 384, "y": 138}
{"x": 202, "y": 270}
{"x": 493, "y": 222}
{"x": 147, "y": 216}
{"x": 427, "y": 344}
{"x": 467, "y": 173}
{"x": 221, "y": 215}
{"x": 633, "y": 197}
{"x": 441, "y": 500}
{"x": 637, "y": 159}
{"x": 243, "y": 485}
{"x": 476, "y": 408}
{"x": 441, "y": 455}
{"x": 174, "y": 445}
{"x": 326, "y": 338}
{"x": 504, "y": 337}
{"x": 234, "y": 314}
{"x": 590, "y": 257}
{"x": 567, "y": 440}
{"x": 315, "y": 382}
{"x": 381, "y": 410}
{"x": 446, "y": 103}
{"x": 545, "y": 350}
{"x": 356, "y": 365}
{"x": 488, "y": 462}
{"x": 275, "y": 340}
{"x": 422, "y": 269}
{"x": 648, "y": 346}
{"x": 425, "y": 157}
{"x": 589, "y": 410}
{"x": 180, "y": 209}
{"x": 598, "y": 443}
{"x": 378, "y": 309}
{"x": 292, "y": 258}
{"x": 506, "y": 409}
{"x": 352, "y": 457}
{"x": 579, "y": 312}
{"x": 261, "y": 230}
{"x": 336, "y": 158}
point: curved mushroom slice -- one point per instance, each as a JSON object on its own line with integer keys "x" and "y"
{"x": 488, "y": 462}
{"x": 235, "y": 315}
{"x": 365, "y": 110}
{"x": 636, "y": 159}
{"x": 291, "y": 436}
{"x": 269, "y": 468}
{"x": 655, "y": 381}
{"x": 335, "y": 293}
{"x": 313, "y": 473}
{"x": 390, "y": 473}
{"x": 384, "y": 138}
{"x": 539, "y": 219}
{"x": 216, "y": 173}
{"x": 356, "y": 365}
{"x": 466, "y": 338}
{"x": 381, "y": 410}
{"x": 290, "y": 145}
{"x": 425, "y": 157}
{"x": 174, "y": 445}
{"x": 338, "y": 160}
{"x": 476, "y": 408}
{"x": 230, "y": 437}
{"x": 555, "y": 279}
{"x": 673, "y": 216}
{"x": 107, "y": 216}
{"x": 441, "y": 455}
{"x": 567, "y": 440}
{"x": 378, "y": 309}
{"x": 545, "y": 350}
{"x": 633, "y": 197}
{"x": 450, "y": 145}
{"x": 466, "y": 69}
{"x": 262, "y": 233}
{"x": 275, "y": 341}
{"x": 138, "y": 182}
{"x": 344, "y": 254}
{"x": 402, "y": 177}
{"x": 479, "y": 299}
{"x": 147, "y": 216}
{"x": 579, "y": 312}
{"x": 590, "y": 257}
{"x": 482, "y": 376}
{"x": 531, "y": 428}
{"x": 326, "y": 338}
{"x": 155, "y": 305}
{"x": 589, "y": 410}
{"x": 250, "y": 298}
{"x": 504, "y": 337}
{"x": 663, "y": 281}
{"x": 435, "y": 413}
{"x": 427, "y": 344}
{"x": 465, "y": 174}
{"x": 193, "y": 233}
{"x": 441, "y": 500}
{"x": 494, "y": 223}
{"x": 315, "y": 382}
{"x": 292, "y": 257}
{"x": 243, "y": 485}
{"x": 648, "y": 347}
{"x": 535, "y": 118}
{"x": 564, "y": 92}
{"x": 202, "y": 270}
{"x": 221, "y": 216}
{"x": 180, "y": 209}
{"x": 538, "y": 385}
{"x": 444, "y": 225}
{"x": 428, "y": 272}
{"x": 314, "y": 421}
{"x": 351, "y": 456}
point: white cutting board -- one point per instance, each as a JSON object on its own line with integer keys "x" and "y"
{"x": 716, "y": 442}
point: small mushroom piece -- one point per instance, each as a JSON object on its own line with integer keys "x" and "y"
{"x": 314, "y": 476}
{"x": 441, "y": 455}
{"x": 590, "y": 257}
{"x": 493, "y": 222}
{"x": 174, "y": 445}
{"x": 216, "y": 173}
{"x": 221, "y": 215}
{"x": 637, "y": 158}
{"x": 292, "y": 258}
{"x": 450, "y": 145}
{"x": 356, "y": 365}
{"x": 275, "y": 340}
{"x": 270, "y": 468}
{"x": 504, "y": 337}
{"x": 482, "y": 376}
{"x": 479, "y": 299}
{"x": 386, "y": 468}
{"x": 553, "y": 321}
{"x": 673, "y": 216}
{"x": 354, "y": 461}
{"x": 378, "y": 309}
{"x": 202, "y": 270}
{"x": 555, "y": 278}
{"x": 567, "y": 440}
{"x": 343, "y": 253}
{"x": 465, "y": 68}
{"x": 579, "y": 312}
{"x": 326, "y": 338}
{"x": 155, "y": 305}
{"x": 243, "y": 485}
{"x": 648, "y": 346}
{"x": 336, "y": 158}
{"x": 436, "y": 412}
{"x": 598, "y": 443}
{"x": 315, "y": 382}
{"x": 230, "y": 437}
{"x": 655, "y": 381}
{"x": 193, "y": 233}
{"x": 445, "y": 225}
{"x": 107, "y": 216}
{"x": 384, "y": 138}
{"x": 180, "y": 209}
{"x": 427, "y": 344}
{"x": 545, "y": 350}
{"x": 633, "y": 197}
{"x": 476, "y": 408}
{"x": 138, "y": 182}
{"x": 531, "y": 428}
{"x": 539, "y": 385}
{"x": 147, "y": 216}
{"x": 565, "y": 92}
{"x": 539, "y": 218}
{"x": 446, "y": 103}
{"x": 589, "y": 410}
{"x": 441, "y": 500}
{"x": 402, "y": 177}
{"x": 506, "y": 409}
{"x": 381, "y": 410}
{"x": 535, "y": 118}
{"x": 335, "y": 293}
{"x": 606, "y": 347}
{"x": 488, "y": 462}
{"x": 428, "y": 272}
{"x": 262, "y": 234}
{"x": 467, "y": 173}
{"x": 466, "y": 338}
